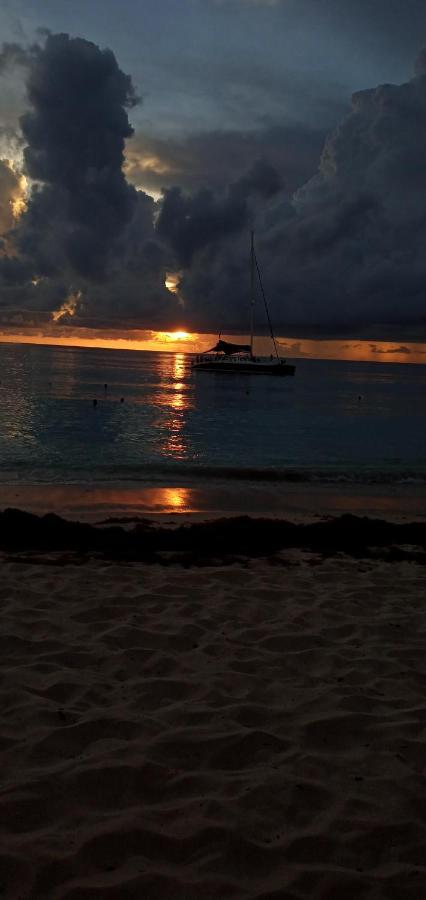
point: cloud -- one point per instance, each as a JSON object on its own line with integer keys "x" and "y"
{"x": 191, "y": 223}
{"x": 85, "y": 225}
{"x": 347, "y": 253}
{"x": 75, "y": 133}
{"x": 385, "y": 351}
{"x": 341, "y": 250}
{"x": 10, "y": 192}
{"x": 293, "y": 348}
{"x": 216, "y": 158}
{"x": 12, "y": 54}
{"x": 86, "y": 228}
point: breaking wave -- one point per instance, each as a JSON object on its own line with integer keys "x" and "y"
{"x": 193, "y": 474}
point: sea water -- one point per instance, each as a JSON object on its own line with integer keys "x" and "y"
{"x": 158, "y": 421}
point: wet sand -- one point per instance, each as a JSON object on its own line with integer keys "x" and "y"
{"x": 295, "y": 501}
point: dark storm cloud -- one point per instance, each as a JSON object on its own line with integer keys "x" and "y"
{"x": 75, "y": 133}
{"x": 341, "y": 254}
{"x": 136, "y": 291}
{"x": 190, "y": 223}
{"x": 348, "y": 252}
{"x": 84, "y": 224}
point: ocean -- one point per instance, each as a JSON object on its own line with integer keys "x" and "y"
{"x": 159, "y": 423}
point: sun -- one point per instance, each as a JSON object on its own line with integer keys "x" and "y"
{"x": 180, "y": 335}
{"x": 176, "y": 335}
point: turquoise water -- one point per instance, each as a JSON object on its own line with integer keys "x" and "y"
{"x": 333, "y": 421}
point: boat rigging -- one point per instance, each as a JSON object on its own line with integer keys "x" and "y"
{"x": 238, "y": 359}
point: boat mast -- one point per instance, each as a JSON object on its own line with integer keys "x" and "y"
{"x": 266, "y": 305}
{"x": 252, "y": 273}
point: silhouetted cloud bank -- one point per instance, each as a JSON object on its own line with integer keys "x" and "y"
{"x": 341, "y": 253}
{"x": 347, "y": 252}
{"x": 75, "y": 134}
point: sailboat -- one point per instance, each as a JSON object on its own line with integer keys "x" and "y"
{"x": 240, "y": 359}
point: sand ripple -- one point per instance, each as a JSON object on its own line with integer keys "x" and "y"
{"x": 253, "y": 732}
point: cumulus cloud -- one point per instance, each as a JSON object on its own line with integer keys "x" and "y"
{"x": 341, "y": 253}
{"x": 75, "y": 133}
{"x": 85, "y": 224}
{"x": 190, "y": 223}
{"x": 348, "y": 252}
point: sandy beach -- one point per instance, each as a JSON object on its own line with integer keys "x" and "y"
{"x": 212, "y": 450}
{"x": 254, "y": 730}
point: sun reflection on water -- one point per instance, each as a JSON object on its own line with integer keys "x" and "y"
{"x": 174, "y": 395}
{"x": 176, "y": 499}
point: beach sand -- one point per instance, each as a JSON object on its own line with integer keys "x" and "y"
{"x": 256, "y": 730}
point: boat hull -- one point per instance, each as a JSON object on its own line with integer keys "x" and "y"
{"x": 249, "y": 368}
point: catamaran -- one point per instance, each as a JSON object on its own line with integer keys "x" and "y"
{"x": 226, "y": 356}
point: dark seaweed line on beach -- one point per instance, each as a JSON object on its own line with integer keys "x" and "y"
{"x": 213, "y": 542}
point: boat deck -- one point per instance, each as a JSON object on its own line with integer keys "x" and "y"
{"x": 243, "y": 365}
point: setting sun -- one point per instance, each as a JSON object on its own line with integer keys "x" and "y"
{"x": 174, "y": 335}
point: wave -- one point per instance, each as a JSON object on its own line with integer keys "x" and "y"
{"x": 26, "y": 473}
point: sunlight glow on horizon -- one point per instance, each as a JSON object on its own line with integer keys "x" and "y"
{"x": 180, "y": 341}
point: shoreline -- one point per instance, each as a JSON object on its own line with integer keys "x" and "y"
{"x": 176, "y": 503}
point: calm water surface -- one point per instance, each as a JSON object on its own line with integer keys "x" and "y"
{"x": 178, "y": 424}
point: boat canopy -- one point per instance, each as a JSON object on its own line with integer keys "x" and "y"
{"x": 229, "y": 349}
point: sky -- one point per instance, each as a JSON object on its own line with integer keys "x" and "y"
{"x": 139, "y": 146}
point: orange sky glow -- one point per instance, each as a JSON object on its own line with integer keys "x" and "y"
{"x": 186, "y": 342}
